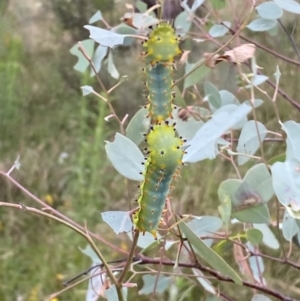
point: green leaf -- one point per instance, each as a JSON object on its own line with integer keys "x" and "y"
{"x": 112, "y": 70}
{"x": 269, "y": 239}
{"x": 186, "y": 129}
{"x": 259, "y": 297}
{"x": 141, "y": 6}
{"x": 292, "y": 130}
{"x": 228, "y": 98}
{"x": 257, "y": 80}
{"x": 206, "y": 284}
{"x": 218, "y": 4}
{"x": 146, "y": 240}
{"x": 86, "y": 90}
{"x": 183, "y": 23}
{"x": 262, "y": 24}
{"x": 213, "y": 95}
{"x": 196, "y": 4}
{"x": 95, "y": 284}
{"x": 207, "y": 254}
{"x": 205, "y": 225}
{"x": 98, "y": 57}
{"x": 96, "y": 17}
{"x": 196, "y": 76}
{"x": 219, "y": 30}
{"x": 256, "y": 214}
{"x": 112, "y": 295}
{"x": 280, "y": 158}
{"x": 289, "y": 5}
{"x": 82, "y": 63}
{"x": 289, "y": 226}
{"x": 249, "y": 141}
{"x": 286, "y": 183}
{"x": 88, "y": 251}
{"x": 269, "y": 10}
{"x": 225, "y": 209}
{"x": 138, "y": 126}
{"x": 105, "y": 37}
{"x": 162, "y": 283}
{"x": 126, "y": 157}
{"x": 203, "y": 144}
{"x": 257, "y": 102}
{"x": 254, "y": 236}
{"x": 124, "y": 29}
{"x": 119, "y": 221}
{"x": 256, "y": 264}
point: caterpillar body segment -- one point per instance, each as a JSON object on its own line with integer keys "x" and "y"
{"x": 165, "y": 155}
{"x": 159, "y": 83}
{"x": 162, "y": 45}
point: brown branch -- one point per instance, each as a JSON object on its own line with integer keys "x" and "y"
{"x": 146, "y": 260}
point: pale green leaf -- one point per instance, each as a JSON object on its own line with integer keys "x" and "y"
{"x": 196, "y": 4}
{"x": 96, "y": 17}
{"x": 98, "y": 57}
{"x": 228, "y": 98}
{"x": 196, "y": 76}
{"x": 249, "y": 140}
{"x": 269, "y": 10}
{"x": 119, "y": 221}
{"x": 95, "y": 284}
{"x": 256, "y": 265}
{"x": 255, "y": 214}
{"x": 269, "y": 239}
{"x": 259, "y": 297}
{"x": 126, "y": 157}
{"x": 105, "y": 37}
{"x": 183, "y": 23}
{"x": 86, "y": 90}
{"x": 225, "y": 209}
{"x": 289, "y": 5}
{"x": 162, "y": 283}
{"x": 206, "y": 284}
{"x": 203, "y": 144}
{"x": 88, "y": 251}
{"x": 262, "y": 24}
{"x": 219, "y": 30}
{"x": 112, "y": 295}
{"x": 138, "y": 126}
{"x": 286, "y": 183}
{"x": 289, "y": 226}
{"x": 213, "y": 95}
{"x": 254, "y": 236}
{"x": 82, "y": 63}
{"x": 208, "y": 255}
{"x": 292, "y": 130}
{"x": 112, "y": 70}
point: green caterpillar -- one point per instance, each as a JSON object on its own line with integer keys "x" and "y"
{"x": 164, "y": 157}
{"x": 161, "y": 48}
{"x": 164, "y": 147}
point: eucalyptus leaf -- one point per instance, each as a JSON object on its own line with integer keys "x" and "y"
{"x": 259, "y": 297}
{"x": 138, "y": 126}
{"x": 213, "y": 95}
{"x": 105, "y": 37}
{"x": 228, "y": 98}
{"x": 249, "y": 140}
{"x": 289, "y": 5}
{"x": 262, "y": 24}
{"x": 112, "y": 295}
{"x": 126, "y": 157}
{"x": 269, "y": 239}
{"x": 206, "y": 284}
{"x": 82, "y": 63}
{"x": 112, "y": 70}
{"x": 254, "y": 236}
{"x": 269, "y": 10}
{"x": 86, "y": 90}
{"x": 95, "y": 284}
{"x": 98, "y": 57}
{"x": 203, "y": 144}
{"x": 183, "y": 23}
{"x": 96, "y": 17}
{"x": 196, "y": 4}
{"x": 88, "y": 251}
{"x": 119, "y": 221}
{"x": 256, "y": 264}
{"x": 292, "y": 130}
{"x": 289, "y": 226}
{"x": 286, "y": 183}
{"x": 219, "y": 30}
{"x": 210, "y": 256}
{"x": 161, "y": 282}
{"x": 196, "y": 76}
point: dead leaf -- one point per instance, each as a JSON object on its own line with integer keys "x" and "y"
{"x": 240, "y": 54}
{"x": 184, "y": 57}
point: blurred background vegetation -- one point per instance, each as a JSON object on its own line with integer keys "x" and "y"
{"x": 59, "y": 136}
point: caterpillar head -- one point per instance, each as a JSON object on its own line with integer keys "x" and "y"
{"x": 162, "y": 45}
